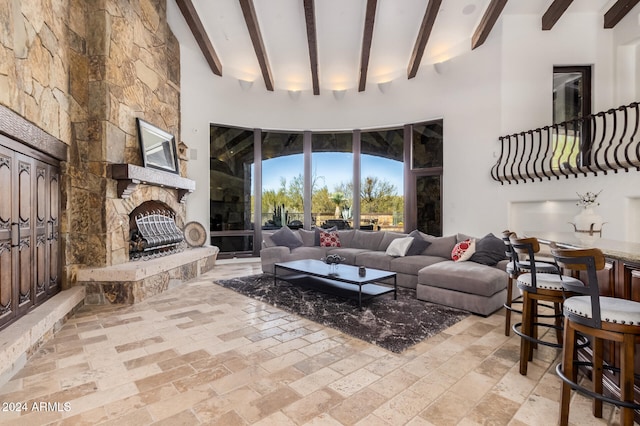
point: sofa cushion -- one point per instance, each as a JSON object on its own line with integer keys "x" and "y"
{"x": 466, "y": 277}
{"x": 419, "y": 243}
{"x": 303, "y": 252}
{"x": 329, "y": 239}
{"x": 308, "y": 237}
{"x": 489, "y": 250}
{"x": 349, "y": 254}
{"x": 346, "y": 237}
{"x": 440, "y": 246}
{"x": 286, "y": 237}
{"x": 399, "y": 246}
{"x": 463, "y": 250}
{"x": 374, "y": 259}
{"x": 369, "y": 240}
{"x": 412, "y": 264}
{"x": 388, "y": 238}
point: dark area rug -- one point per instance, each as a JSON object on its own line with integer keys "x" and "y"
{"x": 392, "y": 324}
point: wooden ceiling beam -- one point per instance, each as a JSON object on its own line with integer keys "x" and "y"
{"x": 488, "y": 21}
{"x": 250, "y": 17}
{"x": 312, "y": 40}
{"x": 554, "y": 12}
{"x": 367, "y": 38}
{"x": 618, "y": 11}
{"x": 428, "y": 20}
{"x": 197, "y": 29}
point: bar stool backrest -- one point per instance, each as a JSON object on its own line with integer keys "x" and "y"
{"x": 528, "y": 247}
{"x": 512, "y": 256}
{"x": 591, "y": 261}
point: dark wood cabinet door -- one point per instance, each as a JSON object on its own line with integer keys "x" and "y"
{"x": 23, "y": 216}
{"x": 7, "y": 267}
{"x": 29, "y": 226}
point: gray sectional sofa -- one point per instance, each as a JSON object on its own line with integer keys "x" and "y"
{"x": 476, "y": 285}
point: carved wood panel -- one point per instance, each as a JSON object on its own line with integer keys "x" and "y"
{"x": 7, "y": 270}
{"x": 29, "y": 225}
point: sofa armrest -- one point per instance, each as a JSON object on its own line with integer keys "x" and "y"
{"x": 271, "y": 255}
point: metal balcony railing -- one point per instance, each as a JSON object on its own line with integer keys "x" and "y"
{"x": 598, "y": 143}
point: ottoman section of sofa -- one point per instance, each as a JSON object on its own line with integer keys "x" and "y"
{"x": 471, "y": 286}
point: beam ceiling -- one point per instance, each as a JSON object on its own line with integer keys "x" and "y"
{"x": 488, "y": 21}
{"x": 618, "y": 11}
{"x": 250, "y": 17}
{"x": 197, "y": 29}
{"x": 428, "y": 20}
{"x": 367, "y": 37}
{"x": 312, "y": 39}
{"x": 554, "y": 12}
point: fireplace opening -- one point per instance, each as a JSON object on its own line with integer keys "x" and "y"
{"x": 153, "y": 231}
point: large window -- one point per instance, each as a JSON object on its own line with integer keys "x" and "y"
{"x": 332, "y": 179}
{"x": 382, "y": 180}
{"x": 426, "y": 160}
{"x": 230, "y": 189}
{"x": 282, "y": 180}
{"x": 373, "y": 180}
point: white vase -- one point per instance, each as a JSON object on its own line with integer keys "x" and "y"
{"x": 588, "y": 221}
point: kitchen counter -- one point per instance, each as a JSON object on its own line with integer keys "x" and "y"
{"x": 622, "y": 250}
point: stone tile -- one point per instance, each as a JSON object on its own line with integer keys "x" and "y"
{"x": 312, "y": 405}
{"x": 357, "y": 406}
{"x": 315, "y": 381}
{"x": 352, "y": 383}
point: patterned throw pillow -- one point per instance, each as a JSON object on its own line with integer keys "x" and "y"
{"x": 463, "y": 250}
{"x": 329, "y": 239}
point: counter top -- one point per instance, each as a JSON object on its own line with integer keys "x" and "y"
{"x": 622, "y": 250}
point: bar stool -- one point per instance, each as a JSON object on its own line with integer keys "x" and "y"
{"x": 602, "y": 318}
{"x": 514, "y": 268}
{"x": 536, "y": 287}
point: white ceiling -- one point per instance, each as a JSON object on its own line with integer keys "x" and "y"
{"x": 339, "y": 27}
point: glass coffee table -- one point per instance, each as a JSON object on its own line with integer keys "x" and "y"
{"x": 346, "y": 281}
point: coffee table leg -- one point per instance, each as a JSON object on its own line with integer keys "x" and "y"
{"x": 395, "y": 288}
{"x": 360, "y": 296}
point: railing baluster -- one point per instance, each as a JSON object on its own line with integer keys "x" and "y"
{"x": 537, "y": 159}
{"x": 521, "y": 155}
{"x": 596, "y": 154}
{"x": 611, "y": 112}
{"x": 630, "y": 143}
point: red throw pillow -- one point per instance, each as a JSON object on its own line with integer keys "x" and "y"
{"x": 329, "y": 239}
{"x": 463, "y": 250}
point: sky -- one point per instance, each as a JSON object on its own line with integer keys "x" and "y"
{"x": 333, "y": 167}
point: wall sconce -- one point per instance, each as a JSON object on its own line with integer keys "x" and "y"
{"x": 339, "y": 94}
{"x": 294, "y": 94}
{"x": 441, "y": 67}
{"x": 245, "y": 84}
{"x": 383, "y": 87}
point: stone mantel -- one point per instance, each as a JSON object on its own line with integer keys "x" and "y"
{"x": 130, "y": 176}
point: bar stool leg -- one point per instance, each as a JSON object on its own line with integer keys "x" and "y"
{"x": 597, "y": 375}
{"x": 568, "y": 353}
{"x": 626, "y": 377}
{"x": 557, "y": 308}
{"x": 507, "y": 314}
{"x": 526, "y": 329}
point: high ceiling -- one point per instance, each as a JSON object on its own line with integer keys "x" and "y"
{"x": 316, "y": 45}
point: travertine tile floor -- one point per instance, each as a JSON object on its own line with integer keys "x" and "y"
{"x": 202, "y": 354}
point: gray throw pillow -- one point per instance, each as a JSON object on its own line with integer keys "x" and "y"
{"x": 489, "y": 250}
{"x": 419, "y": 244}
{"x": 285, "y": 237}
{"x": 440, "y": 246}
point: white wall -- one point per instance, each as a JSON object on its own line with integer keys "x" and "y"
{"x": 502, "y": 87}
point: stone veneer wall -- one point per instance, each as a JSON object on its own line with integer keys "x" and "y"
{"x": 83, "y": 71}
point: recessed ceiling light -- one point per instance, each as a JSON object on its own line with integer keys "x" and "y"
{"x": 469, "y": 9}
